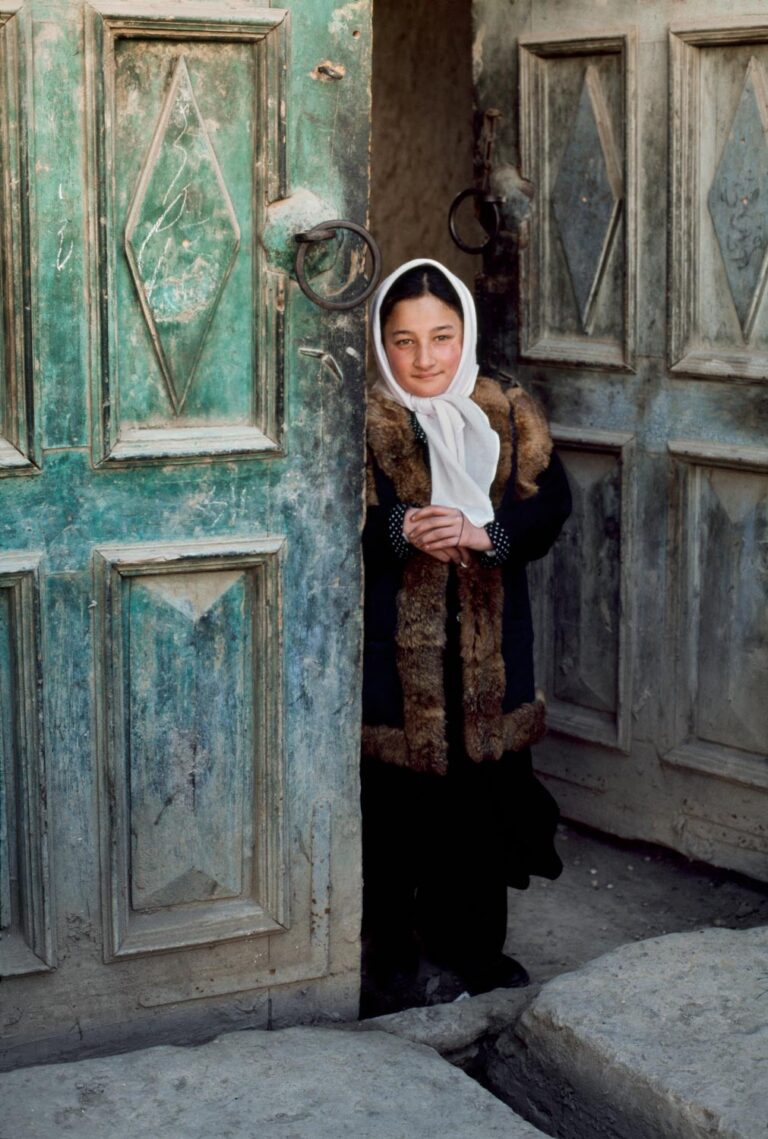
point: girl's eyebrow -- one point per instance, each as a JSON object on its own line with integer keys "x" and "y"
{"x": 408, "y": 332}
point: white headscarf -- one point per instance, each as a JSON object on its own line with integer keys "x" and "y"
{"x": 463, "y": 447}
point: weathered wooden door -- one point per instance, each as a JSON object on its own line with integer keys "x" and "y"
{"x": 180, "y": 507}
{"x": 643, "y": 325}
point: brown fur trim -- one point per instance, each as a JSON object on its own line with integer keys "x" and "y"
{"x": 534, "y": 442}
{"x": 386, "y": 744}
{"x": 397, "y": 450}
{"x": 371, "y": 494}
{"x": 522, "y": 728}
{"x": 525, "y": 725}
{"x": 481, "y": 598}
{"x": 491, "y": 399}
{"x": 421, "y": 615}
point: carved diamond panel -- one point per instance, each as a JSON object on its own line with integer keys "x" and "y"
{"x": 721, "y": 594}
{"x": 187, "y": 143}
{"x": 585, "y": 646}
{"x": 26, "y": 934}
{"x": 181, "y": 236}
{"x": 190, "y": 707}
{"x": 577, "y": 128}
{"x": 587, "y": 195}
{"x": 738, "y": 196}
{"x": 719, "y": 203}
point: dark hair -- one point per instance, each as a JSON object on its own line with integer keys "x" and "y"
{"x": 420, "y": 281}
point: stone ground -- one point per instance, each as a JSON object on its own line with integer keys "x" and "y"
{"x": 299, "y": 1083}
{"x": 613, "y": 892}
{"x": 644, "y": 1027}
{"x": 664, "y": 1038}
{"x": 380, "y": 1082}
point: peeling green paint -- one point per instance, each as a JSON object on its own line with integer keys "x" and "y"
{"x": 296, "y": 482}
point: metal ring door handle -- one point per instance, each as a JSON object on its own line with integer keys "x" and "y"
{"x": 495, "y": 214}
{"x": 325, "y": 231}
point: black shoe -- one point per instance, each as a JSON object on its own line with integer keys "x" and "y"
{"x": 498, "y": 972}
{"x": 389, "y": 980}
{"x": 393, "y": 992}
{"x": 386, "y": 961}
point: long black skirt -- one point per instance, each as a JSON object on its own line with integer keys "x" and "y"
{"x": 440, "y": 851}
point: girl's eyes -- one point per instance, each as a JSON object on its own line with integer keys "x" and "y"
{"x": 406, "y": 343}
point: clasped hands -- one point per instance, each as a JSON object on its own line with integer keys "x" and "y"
{"x": 445, "y": 533}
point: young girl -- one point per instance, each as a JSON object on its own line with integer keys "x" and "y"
{"x": 463, "y": 491}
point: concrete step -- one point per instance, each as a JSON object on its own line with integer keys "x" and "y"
{"x": 662, "y": 1039}
{"x": 299, "y": 1083}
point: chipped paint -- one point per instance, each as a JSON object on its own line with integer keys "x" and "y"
{"x": 167, "y": 724}
{"x": 352, "y": 13}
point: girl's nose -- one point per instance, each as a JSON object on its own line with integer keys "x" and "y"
{"x": 423, "y": 355}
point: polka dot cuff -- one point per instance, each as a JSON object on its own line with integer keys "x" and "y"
{"x": 400, "y": 544}
{"x": 500, "y": 552}
{"x": 418, "y": 430}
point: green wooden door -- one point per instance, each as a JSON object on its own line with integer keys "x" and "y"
{"x": 643, "y": 325}
{"x": 179, "y": 513}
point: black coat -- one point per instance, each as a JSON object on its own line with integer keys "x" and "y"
{"x": 488, "y": 815}
{"x": 532, "y": 526}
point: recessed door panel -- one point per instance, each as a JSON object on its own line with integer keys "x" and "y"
{"x": 720, "y": 171}
{"x": 18, "y": 442}
{"x": 721, "y": 578}
{"x": 188, "y": 133}
{"x": 191, "y": 711}
{"x": 586, "y": 643}
{"x": 577, "y": 101}
{"x": 26, "y": 930}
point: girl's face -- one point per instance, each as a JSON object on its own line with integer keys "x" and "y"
{"x": 423, "y": 338}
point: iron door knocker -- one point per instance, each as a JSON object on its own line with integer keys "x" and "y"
{"x": 488, "y": 212}
{"x": 325, "y": 231}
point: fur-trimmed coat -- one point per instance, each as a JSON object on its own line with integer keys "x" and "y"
{"x": 408, "y": 599}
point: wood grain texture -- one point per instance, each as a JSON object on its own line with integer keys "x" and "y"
{"x": 689, "y": 770}
{"x": 587, "y": 630}
{"x": 191, "y": 743}
{"x": 718, "y": 721}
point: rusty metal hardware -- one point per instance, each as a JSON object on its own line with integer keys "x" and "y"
{"x": 487, "y": 210}
{"x": 489, "y": 216}
{"x": 329, "y": 71}
{"x": 326, "y": 231}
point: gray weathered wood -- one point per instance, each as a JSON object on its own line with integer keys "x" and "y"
{"x": 652, "y": 610}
